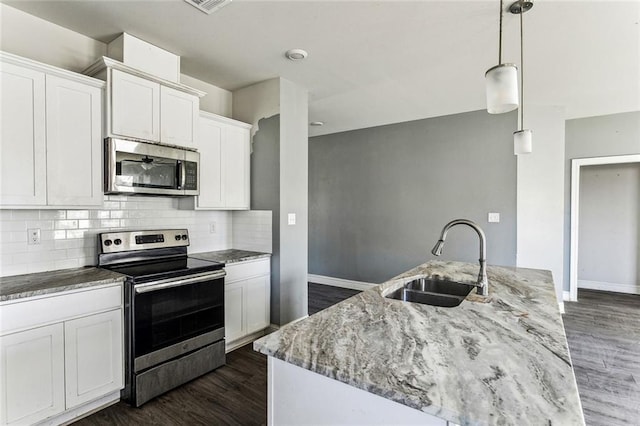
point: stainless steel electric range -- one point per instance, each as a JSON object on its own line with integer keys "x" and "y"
{"x": 174, "y": 310}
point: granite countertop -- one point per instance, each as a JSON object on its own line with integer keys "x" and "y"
{"x": 41, "y": 283}
{"x": 230, "y": 256}
{"x": 497, "y": 360}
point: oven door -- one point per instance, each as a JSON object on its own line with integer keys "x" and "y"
{"x": 175, "y": 316}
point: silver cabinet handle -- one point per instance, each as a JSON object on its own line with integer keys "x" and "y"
{"x": 172, "y": 282}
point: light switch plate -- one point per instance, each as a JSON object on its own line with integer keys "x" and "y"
{"x": 494, "y": 217}
{"x": 291, "y": 218}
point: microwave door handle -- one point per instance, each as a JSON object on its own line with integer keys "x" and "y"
{"x": 182, "y": 174}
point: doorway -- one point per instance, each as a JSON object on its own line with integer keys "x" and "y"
{"x": 606, "y": 242}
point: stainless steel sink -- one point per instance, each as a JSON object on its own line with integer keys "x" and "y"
{"x": 429, "y": 291}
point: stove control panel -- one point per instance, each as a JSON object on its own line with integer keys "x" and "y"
{"x": 115, "y": 242}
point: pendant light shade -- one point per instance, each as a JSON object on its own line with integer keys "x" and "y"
{"x": 523, "y": 138}
{"x": 501, "y": 82}
{"x": 502, "y": 88}
{"x": 522, "y": 142}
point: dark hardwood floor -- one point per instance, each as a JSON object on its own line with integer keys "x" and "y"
{"x": 603, "y": 331}
{"x": 235, "y": 394}
{"x": 323, "y": 296}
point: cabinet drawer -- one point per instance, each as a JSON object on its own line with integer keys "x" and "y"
{"x": 33, "y": 312}
{"x": 244, "y": 270}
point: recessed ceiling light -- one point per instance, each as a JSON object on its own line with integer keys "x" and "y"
{"x": 296, "y": 54}
{"x": 316, "y": 123}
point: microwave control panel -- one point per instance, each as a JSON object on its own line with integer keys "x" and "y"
{"x": 191, "y": 175}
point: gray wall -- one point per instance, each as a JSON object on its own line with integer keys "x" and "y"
{"x": 379, "y": 197}
{"x": 265, "y": 193}
{"x": 609, "y": 255}
{"x": 608, "y": 135}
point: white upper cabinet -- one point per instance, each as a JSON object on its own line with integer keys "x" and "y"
{"x": 224, "y": 146}
{"x": 22, "y": 137}
{"x": 135, "y": 107}
{"x": 178, "y": 117}
{"x": 145, "y": 106}
{"x": 210, "y": 148}
{"x": 51, "y": 136}
{"x": 74, "y": 142}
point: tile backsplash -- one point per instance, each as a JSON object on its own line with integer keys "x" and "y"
{"x": 68, "y": 238}
{"x": 252, "y": 230}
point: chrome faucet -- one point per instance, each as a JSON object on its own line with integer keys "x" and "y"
{"x": 482, "y": 286}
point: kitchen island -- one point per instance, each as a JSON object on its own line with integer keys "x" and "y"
{"x": 501, "y": 359}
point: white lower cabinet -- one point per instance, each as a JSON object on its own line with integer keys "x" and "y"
{"x": 32, "y": 375}
{"x": 247, "y": 301}
{"x": 93, "y": 357}
{"x": 60, "y": 356}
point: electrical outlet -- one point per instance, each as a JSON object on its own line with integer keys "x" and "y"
{"x": 291, "y": 218}
{"x": 212, "y": 228}
{"x": 33, "y": 236}
{"x": 493, "y": 218}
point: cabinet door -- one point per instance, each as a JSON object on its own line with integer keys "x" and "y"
{"x": 179, "y": 113}
{"x": 257, "y": 304}
{"x": 22, "y": 136}
{"x": 236, "y": 168}
{"x": 74, "y": 140}
{"x": 32, "y": 375}
{"x": 135, "y": 107}
{"x": 210, "y": 147}
{"x": 93, "y": 356}
{"x": 234, "y": 325}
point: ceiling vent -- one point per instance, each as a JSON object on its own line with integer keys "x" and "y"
{"x": 208, "y": 6}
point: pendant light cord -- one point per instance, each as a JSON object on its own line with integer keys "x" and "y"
{"x": 500, "y": 37}
{"x": 521, "y": 68}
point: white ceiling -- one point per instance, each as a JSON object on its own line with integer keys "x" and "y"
{"x": 379, "y": 62}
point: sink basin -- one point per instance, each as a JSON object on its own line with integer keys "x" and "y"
{"x": 427, "y": 291}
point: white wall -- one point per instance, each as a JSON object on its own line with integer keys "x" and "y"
{"x": 34, "y": 38}
{"x": 217, "y": 100}
{"x": 279, "y": 174}
{"x": 540, "y": 195}
{"x": 294, "y": 189}
{"x": 609, "y": 255}
{"x": 255, "y": 102}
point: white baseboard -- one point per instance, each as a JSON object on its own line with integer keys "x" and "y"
{"x": 339, "y": 282}
{"x": 561, "y": 307}
{"x": 605, "y": 286}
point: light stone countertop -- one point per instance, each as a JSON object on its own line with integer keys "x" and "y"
{"x": 501, "y": 360}
{"x": 42, "y": 283}
{"x": 230, "y": 256}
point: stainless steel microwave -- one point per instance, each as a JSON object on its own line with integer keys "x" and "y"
{"x": 133, "y": 167}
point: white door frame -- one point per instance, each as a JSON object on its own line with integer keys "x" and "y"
{"x": 576, "y": 164}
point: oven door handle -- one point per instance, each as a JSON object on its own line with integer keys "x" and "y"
{"x": 171, "y": 282}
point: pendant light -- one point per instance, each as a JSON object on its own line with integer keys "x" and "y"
{"x": 501, "y": 82}
{"x": 522, "y": 139}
